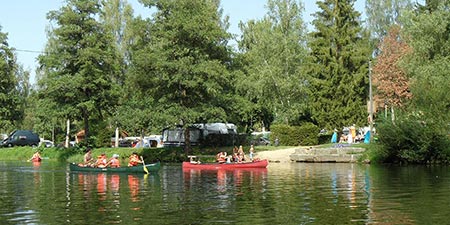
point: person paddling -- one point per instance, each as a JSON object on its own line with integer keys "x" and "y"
{"x": 88, "y": 160}
{"x": 114, "y": 162}
{"x": 134, "y": 160}
{"x": 36, "y": 157}
{"x": 101, "y": 161}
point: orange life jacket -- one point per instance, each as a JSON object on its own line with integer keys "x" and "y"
{"x": 134, "y": 160}
{"x": 101, "y": 162}
{"x": 114, "y": 162}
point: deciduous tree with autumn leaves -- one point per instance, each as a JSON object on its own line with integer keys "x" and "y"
{"x": 390, "y": 80}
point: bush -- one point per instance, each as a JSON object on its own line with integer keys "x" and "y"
{"x": 413, "y": 141}
{"x": 220, "y": 140}
{"x": 324, "y": 138}
{"x": 307, "y": 134}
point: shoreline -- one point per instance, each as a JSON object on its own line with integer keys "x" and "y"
{"x": 277, "y": 156}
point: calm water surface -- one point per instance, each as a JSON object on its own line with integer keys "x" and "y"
{"x": 296, "y": 193}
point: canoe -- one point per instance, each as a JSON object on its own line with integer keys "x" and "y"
{"x": 217, "y": 166}
{"x": 126, "y": 169}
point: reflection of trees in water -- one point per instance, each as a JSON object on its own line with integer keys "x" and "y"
{"x": 223, "y": 187}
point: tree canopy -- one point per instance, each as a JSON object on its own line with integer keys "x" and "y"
{"x": 79, "y": 63}
{"x": 339, "y": 66}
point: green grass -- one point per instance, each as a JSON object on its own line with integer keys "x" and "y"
{"x": 175, "y": 154}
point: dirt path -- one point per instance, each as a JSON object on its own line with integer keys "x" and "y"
{"x": 276, "y": 155}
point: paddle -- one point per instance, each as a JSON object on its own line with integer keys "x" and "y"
{"x": 145, "y": 168}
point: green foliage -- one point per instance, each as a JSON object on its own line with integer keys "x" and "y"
{"x": 413, "y": 139}
{"x": 275, "y": 82}
{"x": 382, "y": 14}
{"x": 183, "y": 67}
{"x": 80, "y": 63}
{"x": 283, "y": 133}
{"x": 429, "y": 63}
{"x": 220, "y": 140}
{"x": 304, "y": 135}
{"x": 308, "y": 134}
{"x": 11, "y": 100}
{"x": 339, "y": 59}
{"x": 324, "y": 138}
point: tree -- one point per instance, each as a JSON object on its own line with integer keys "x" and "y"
{"x": 183, "y": 67}
{"x": 338, "y": 69}
{"x": 11, "y": 110}
{"x": 273, "y": 53}
{"x": 117, "y": 18}
{"x": 390, "y": 79}
{"x": 79, "y": 64}
{"x": 428, "y": 30}
{"x": 382, "y": 14}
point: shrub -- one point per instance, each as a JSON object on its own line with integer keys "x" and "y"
{"x": 307, "y": 134}
{"x": 413, "y": 141}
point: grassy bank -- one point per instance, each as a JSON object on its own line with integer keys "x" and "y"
{"x": 174, "y": 154}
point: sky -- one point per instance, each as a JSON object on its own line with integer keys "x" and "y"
{"x": 25, "y": 22}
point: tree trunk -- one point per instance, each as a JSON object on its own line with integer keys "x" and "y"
{"x": 67, "y": 133}
{"x": 86, "y": 126}
{"x": 392, "y": 115}
{"x": 116, "y": 141}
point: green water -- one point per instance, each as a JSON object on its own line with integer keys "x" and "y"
{"x": 296, "y": 193}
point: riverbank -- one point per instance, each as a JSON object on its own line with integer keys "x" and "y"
{"x": 347, "y": 154}
{"x": 278, "y": 156}
{"x": 281, "y": 154}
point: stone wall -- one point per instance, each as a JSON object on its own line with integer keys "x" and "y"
{"x": 336, "y": 154}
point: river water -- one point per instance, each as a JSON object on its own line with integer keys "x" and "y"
{"x": 284, "y": 193}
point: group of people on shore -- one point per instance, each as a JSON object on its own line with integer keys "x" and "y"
{"x": 102, "y": 161}
{"x": 238, "y": 155}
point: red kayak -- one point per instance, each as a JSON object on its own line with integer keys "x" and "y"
{"x": 216, "y": 166}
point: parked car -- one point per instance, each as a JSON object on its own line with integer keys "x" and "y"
{"x": 261, "y": 141}
{"x": 21, "y": 138}
{"x": 126, "y": 143}
{"x": 47, "y": 143}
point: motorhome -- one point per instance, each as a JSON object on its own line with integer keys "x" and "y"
{"x": 175, "y": 137}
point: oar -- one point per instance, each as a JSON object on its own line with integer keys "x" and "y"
{"x": 145, "y": 168}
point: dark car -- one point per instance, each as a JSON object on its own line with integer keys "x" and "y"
{"x": 21, "y": 138}
{"x": 261, "y": 141}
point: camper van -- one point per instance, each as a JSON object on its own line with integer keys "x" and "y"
{"x": 197, "y": 132}
{"x": 21, "y": 138}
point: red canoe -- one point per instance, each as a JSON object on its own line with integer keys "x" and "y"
{"x": 216, "y": 166}
{"x": 36, "y": 159}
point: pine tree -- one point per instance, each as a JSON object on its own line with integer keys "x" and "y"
{"x": 339, "y": 61}
{"x": 79, "y": 64}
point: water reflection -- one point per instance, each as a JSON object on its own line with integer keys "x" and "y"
{"x": 297, "y": 193}
{"x": 226, "y": 179}
{"x": 104, "y": 184}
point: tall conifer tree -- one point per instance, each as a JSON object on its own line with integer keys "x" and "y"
{"x": 339, "y": 75}
{"x": 80, "y": 63}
